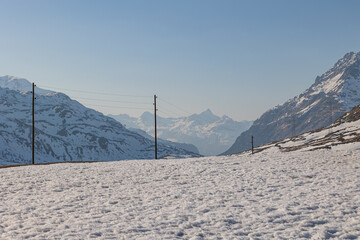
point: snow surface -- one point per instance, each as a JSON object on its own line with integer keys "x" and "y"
{"x": 269, "y": 195}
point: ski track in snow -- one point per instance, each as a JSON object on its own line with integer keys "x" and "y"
{"x": 270, "y": 195}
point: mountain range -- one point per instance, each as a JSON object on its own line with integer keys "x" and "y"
{"x": 211, "y": 134}
{"x": 65, "y": 130}
{"x": 333, "y": 93}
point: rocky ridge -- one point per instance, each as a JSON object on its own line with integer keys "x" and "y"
{"x": 332, "y": 94}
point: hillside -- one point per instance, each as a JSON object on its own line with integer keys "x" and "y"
{"x": 185, "y": 146}
{"x": 211, "y": 134}
{"x": 332, "y": 94}
{"x": 344, "y": 130}
{"x": 65, "y": 130}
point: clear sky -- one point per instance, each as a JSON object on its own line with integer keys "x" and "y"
{"x": 238, "y": 58}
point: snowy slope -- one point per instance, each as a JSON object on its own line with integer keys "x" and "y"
{"x": 344, "y": 130}
{"x": 269, "y": 195}
{"x": 211, "y": 134}
{"x": 65, "y": 130}
{"x": 332, "y": 94}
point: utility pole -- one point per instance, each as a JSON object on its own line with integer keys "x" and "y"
{"x": 33, "y": 123}
{"x": 155, "y": 126}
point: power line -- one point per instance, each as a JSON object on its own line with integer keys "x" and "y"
{"x": 166, "y": 114}
{"x": 107, "y": 106}
{"x": 106, "y": 100}
{"x": 183, "y": 110}
{"x": 99, "y": 93}
{"x": 175, "y": 106}
{"x": 115, "y": 101}
{"x": 168, "y": 111}
{"x": 197, "y": 116}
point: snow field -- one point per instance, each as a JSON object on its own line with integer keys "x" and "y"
{"x": 269, "y": 195}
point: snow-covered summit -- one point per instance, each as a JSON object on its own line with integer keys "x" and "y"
{"x": 333, "y": 93}
{"x": 341, "y": 80}
{"x": 20, "y": 84}
{"x": 206, "y": 116}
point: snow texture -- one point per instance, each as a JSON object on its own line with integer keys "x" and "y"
{"x": 269, "y": 195}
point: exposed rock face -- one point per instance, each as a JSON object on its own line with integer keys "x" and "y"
{"x": 332, "y": 94}
{"x": 351, "y": 116}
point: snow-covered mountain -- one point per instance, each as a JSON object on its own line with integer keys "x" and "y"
{"x": 345, "y": 130}
{"x": 332, "y": 94}
{"x": 211, "y": 134}
{"x": 65, "y": 130}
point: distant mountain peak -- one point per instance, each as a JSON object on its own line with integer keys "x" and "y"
{"x": 205, "y": 117}
{"x": 146, "y": 114}
{"x": 340, "y": 66}
{"x": 210, "y": 133}
{"x": 207, "y": 113}
{"x": 347, "y": 60}
{"x": 15, "y": 83}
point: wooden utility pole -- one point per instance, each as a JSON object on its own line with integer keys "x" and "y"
{"x": 252, "y": 144}
{"x": 155, "y": 126}
{"x": 33, "y": 123}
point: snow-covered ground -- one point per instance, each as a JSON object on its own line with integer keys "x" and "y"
{"x": 268, "y": 195}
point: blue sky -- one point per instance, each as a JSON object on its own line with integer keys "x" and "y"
{"x": 238, "y": 58}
